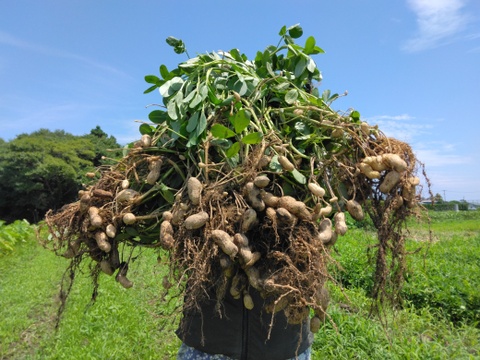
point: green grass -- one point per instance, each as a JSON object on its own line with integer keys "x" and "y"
{"x": 439, "y": 320}
{"x": 122, "y": 324}
{"x": 407, "y": 334}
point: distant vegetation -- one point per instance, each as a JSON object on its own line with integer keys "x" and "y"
{"x": 44, "y": 170}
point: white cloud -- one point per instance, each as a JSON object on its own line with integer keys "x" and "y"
{"x": 391, "y": 117}
{"x": 399, "y": 126}
{"x": 438, "y": 21}
{"x": 439, "y": 155}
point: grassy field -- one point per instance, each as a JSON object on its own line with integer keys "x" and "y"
{"x": 440, "y": 319}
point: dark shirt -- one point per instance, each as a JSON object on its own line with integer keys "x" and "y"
{"x": 241, "y": 333}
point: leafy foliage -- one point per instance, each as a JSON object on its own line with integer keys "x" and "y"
{"x": 211, "y": 85}
{"x": 13, "y": 233}
{"x": 104, "y": 146}
{"x": 45, "y": 169}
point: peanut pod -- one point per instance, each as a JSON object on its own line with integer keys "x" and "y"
{"x": 225, "y": 242}
{"x": 340, "y": 224}
{"x": 194, "y": 189}
{"x": 196, "y": 221}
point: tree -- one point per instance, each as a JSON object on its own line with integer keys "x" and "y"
{"x": 104, "y": 145}
{"x": 44, "y": 170}
{"x": 438, "y": 198}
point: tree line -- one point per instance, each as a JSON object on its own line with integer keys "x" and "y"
{"x": 45, "y": 169}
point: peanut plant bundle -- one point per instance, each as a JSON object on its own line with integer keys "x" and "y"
{"x": 241, "y": 180}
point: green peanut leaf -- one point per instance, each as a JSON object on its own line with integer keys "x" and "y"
{"x": 172, "y": 110}
{"x": 150, "y": 89}
{"x": 291, "y": 96}
{"x": 202, "y": 123}
{"x": 193, "y": 122}
{"x": 236, "y": 55}
{"x": 311, "y": 66}
{"x": 275, "y": 164}
{"x": 295, "y": 31}
{"x": 252, "y": 138}
{"x": 299, "y": 177}
{"x": 158, "y": 116}
{"x": 355, "y": 115}
{"x": 145, "y": 129}
{"x": 309, "y": 47}
{"x": 197, "y": 99}
{"x": 177, "y": 44}
{"x": 240, "y": 121}
{"x": 222, "y": 132}
{"x": 164, "y": 72}
{"x": 300, "y": 67}
{"x": 152, "y": 79}
{"x": 233, "y": 150}
{"x": 171, "y": 86}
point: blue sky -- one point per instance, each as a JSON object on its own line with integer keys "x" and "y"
{"x": 410, "y": 66}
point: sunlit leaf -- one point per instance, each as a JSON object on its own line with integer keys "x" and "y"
{"x": 311, "y": 66}
{"x": 282, "y": 86}
{"x": 240, "y": 87}
{"x": 252, "y": 138}
{"x": 240, "y": 121}
{"x": 197, "y": 99}
{"x": 268, "y": 65}
{"x": 189, "y": 97}
{"x": 222, "y": 132}
{"x": 283, "y": 30}
{"x": 236, "y": 55}
{"x": 355, "y": 115}
{"x": 309, "y": 45}
{"x": 172, "y": 110}
{"x": 291, "y": 96}
{"x": 326, "y": 95}
{"x": 150, "y": 89}
{"x": 288, "y": 39}
{"x": 171, "y": 86}
{"x": 203, "y": 91}
{"x": 164, "y": 72}
{"x": 152, "y": 79}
